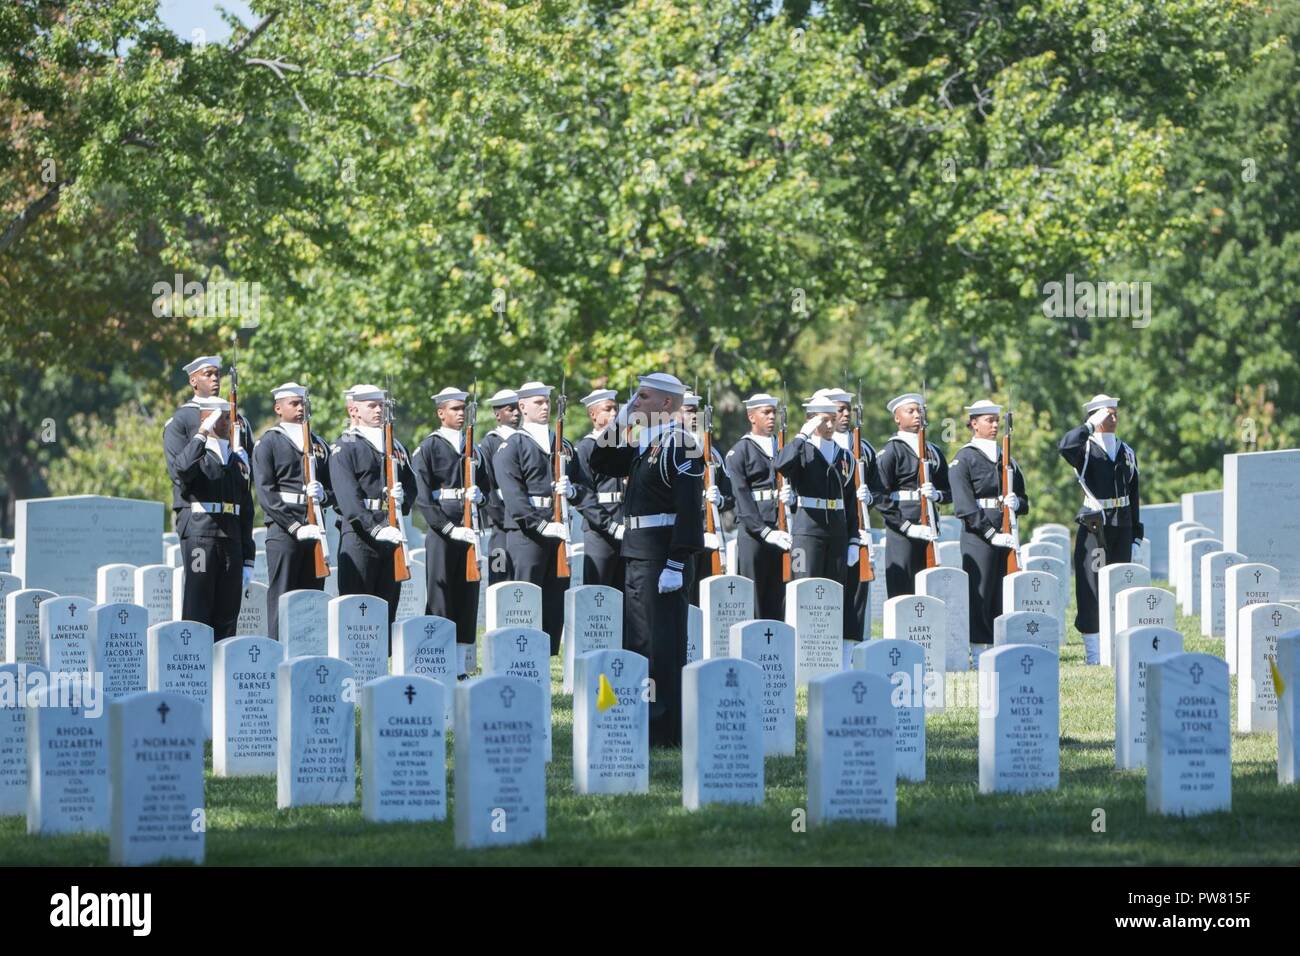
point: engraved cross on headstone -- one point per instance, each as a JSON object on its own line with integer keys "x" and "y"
{"x": 163, "y": 711}
{"x": 122, "y": 616}
{"x": 362, "y": 608}
{"x": 895, "y": 655}
{"x": 185, "y": 637}
{"x": 1036, "y": 583}
{"x": 1027, "y": 662}
{"x": 409, "y": 694}
{"x": 519, "y": 595}
{"x": 768, "y": 635}
{"x": 255, "y": 652}
{"x": 919, "y": 608}
{"x": 507, "y": 696}
{"x": 1152, "y": 601}
{"x": 521, "y": 642}
{"x": 617, "y": 666}
{"x": 72, "y": 609}
{"x": 859, "y": 691}
{"x": 322, "y": 672}
{"x": 429, "y": 629}
{"x": 599, "y": 599}
{"x": 1196, "y": 670}
{"x": 731, "y": 588}
{"x": 1277, "y": 618}
{"x": 820, "y": 591}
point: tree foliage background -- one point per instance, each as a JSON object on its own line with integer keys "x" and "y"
{"x": 431, "y": 192}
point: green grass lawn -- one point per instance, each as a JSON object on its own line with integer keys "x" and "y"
{"x": 942, "y": 821}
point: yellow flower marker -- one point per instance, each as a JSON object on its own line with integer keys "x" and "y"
{"x": 1278, "y": 685}
{"x": 605, "y": 696}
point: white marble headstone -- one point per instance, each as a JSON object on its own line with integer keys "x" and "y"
{"x": 1043, "y": 549}
{"x": 1135, "y": 648}
{"x": 513, "y": 604}
{"x": 1203, "y": 507}
{"x": 153, "y": 591}
{"x": 61, "y": 542}
{"x": 725, "y": 599}
{"x": 812, "y": 608}
{"x": 22, "y": 624}
{"x": 115, "y": 584}
{"x": 252, "y": 621}
{"x": 426, "y": 646}
{"x": 316, "y": 732}
{"x": 1144, "y": 607}
{"x": 922, "y": 620}
{"x": 1261, "y": 513}
{"x": 1243, "y": 585}
{"x": 1189, "y": 576}
{"x": 771, "y": 646}
{"x": 952, "y": 587}
{"x": 119, "y": 648}
{"x": 1214, "y": 568}
{"x": 902, "y": 663}
{"x": 403, "y": 749}
{"x": 16, "y": 681}
{"x": 722, "y": 733}
{"x": 245, "y": 705}
{"x": 1288, "y": 711}
{"x": 1156, "y": 520}
{"x": 1111, "y": 580}
{"x": 593, "y": 621}
{"x": 9, "y": 583}
{"x": 611, "y": 723}
{"x": 694, "y": 634}
{"x": 1178, "y": 566}
{"x": 851, "y": 769}
{"x": 66, "y": 643}
{"x": 1065, "y": 582}
{"x": 1019, "y": 720}
{"x": 414, "y": 596}
{"x": 155, "y": 744}
{"x": 523, "y": 652}
{"x": 304, "y": 622}
{"x": 1028, "y": 627}
{"x": 1189, "y": 739}
{"x": 947, "y": 554}
{"x": 1258, "y": 628}
{"x": 67, "y": 760}
{"x": 357, "y": 626}
{"x": 500, "y": 762}
{"x": 180, "y": 662}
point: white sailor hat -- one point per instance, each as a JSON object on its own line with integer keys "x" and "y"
{"x": 213, "y": 403}
{"x": 820, "y": 403}
{"x": 503, "y": 397}
{"x": 1101, "y": 401}
{"x": 289, "y": 390}
{"x": 834, "y": 394}
{"x": 690, "y": 400}
{"x": 364, "y": 393}
{"x": 202, "y": 362}
{"x": 904, "y": 399}
{"x": 663, "y": 382}
{"x": 450, "y": 394}
{"x": 983, "y": 407}
{"x": 759, "y": 399}
{"x": 599, "y": 395}
{"x": 533, "y": 389}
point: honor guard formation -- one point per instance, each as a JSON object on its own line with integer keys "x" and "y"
{"x": 652, "y": 491}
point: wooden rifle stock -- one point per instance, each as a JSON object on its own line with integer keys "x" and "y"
{"x": 781, "y": 523}
{"x": 558, "y": 515}
{"x": 401, "y": 570}
{"x": 467, "y": 481}
{"x": 308, "y": 476}
{"x": 923, "y": 451}
{"x": 865, "y": 571}
{"x": 710, "y": 526}
{"x": 1012, "y": 564}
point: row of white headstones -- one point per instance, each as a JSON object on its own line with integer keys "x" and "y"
{"x": 733, "y": 714}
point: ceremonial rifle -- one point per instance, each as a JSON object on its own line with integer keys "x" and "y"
{"x": 1010, "y": 522}
{"x": 320, "y": 551}
{"x": 712, "y": 519}
{"x": 922, "y": 477}
{"x": 865, "y": 571}
{"x": 782, "y": 521}
{"x": 235, "y": 436}
{"x": 401, "y": 565}
{"x": 470, "y": 517}
{"x": 560, "y": 504}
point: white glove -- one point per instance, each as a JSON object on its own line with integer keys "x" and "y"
{"x": 248, "y": 576}
{"x": 386, "y": 533}
{"x": 618, "y": 530}
{"x": 853, "y": 553}
{"x": 1001, "y": 540}
{"x": 309, "y": 532}
{"x": 210, "y": 422}
{"x": 712, "y": 541}
{"x": 1012, "y": 502}
{"x": 564, "y": 488}
{"x": 786, "y": 494}
{"x": 555, "y": 529}
{"x": 864, "y": 495}
{"x": 1099, "y": 416}
{"x": 779, "y": 538}
{"x": 241, "y": 455}
{"x": 669, "y": 580}
{"x": 315, "y": 489}
{"x": 399, "y": 493}
{"x": 467, "y": 535}
{"x": 922, "y": 532}
{"x": 810, "y": 426}
{"x": 475, "y": 495}
{"x": 929, "y": 491}
{"x": 713, "y": 496}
